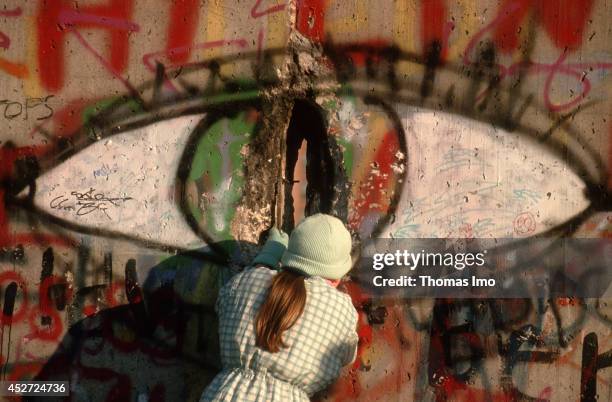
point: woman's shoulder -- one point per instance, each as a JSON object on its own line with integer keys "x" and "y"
{"x": 325, "y": 303}
{"x": 261, "y": 270}
{"x": 319, "y": 287}
{"x": 259, "y": 274}
{"x": 250, "y": 278}
{"x": 256, "y": 272}
{"x": 317, "y": 284}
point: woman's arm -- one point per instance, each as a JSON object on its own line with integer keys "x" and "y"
{"x": 269, "y": 256}
{"x": 351, "y": 344}
{"x": 273, "y": 250}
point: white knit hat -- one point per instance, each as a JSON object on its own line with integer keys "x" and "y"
{"x": 319, "y": 246}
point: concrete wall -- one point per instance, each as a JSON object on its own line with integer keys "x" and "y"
{"x": 146, "y": 145}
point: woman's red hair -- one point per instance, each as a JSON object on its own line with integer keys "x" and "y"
{"x": 283, "y": 306}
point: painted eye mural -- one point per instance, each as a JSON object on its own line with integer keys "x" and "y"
{"x": 402, "y": 170}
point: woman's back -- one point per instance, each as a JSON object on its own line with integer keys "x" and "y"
{"x": 322, "y": 340}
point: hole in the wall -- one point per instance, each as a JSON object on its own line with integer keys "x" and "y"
{"x": 307, "y": 127}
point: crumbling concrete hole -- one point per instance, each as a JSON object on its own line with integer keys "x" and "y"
{"x": 308, "y": 125}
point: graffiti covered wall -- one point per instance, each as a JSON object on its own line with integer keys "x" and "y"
{"x": 146, "y": 145}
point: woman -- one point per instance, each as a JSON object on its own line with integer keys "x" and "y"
{"x": 286, "y": 334}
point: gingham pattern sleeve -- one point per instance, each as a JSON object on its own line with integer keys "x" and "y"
{"x": 351, "y": 341}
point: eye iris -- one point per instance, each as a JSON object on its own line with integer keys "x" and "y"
{"x": 215, "y": 179}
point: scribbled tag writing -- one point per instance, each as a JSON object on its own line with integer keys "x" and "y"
{"x": 85, "y": 203}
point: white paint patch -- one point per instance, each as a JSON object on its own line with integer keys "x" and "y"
{"x": 470, "y": 179}
{"x": 125, "y": 184}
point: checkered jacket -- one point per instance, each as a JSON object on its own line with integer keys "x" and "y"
{"x": 322, "y": 340}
